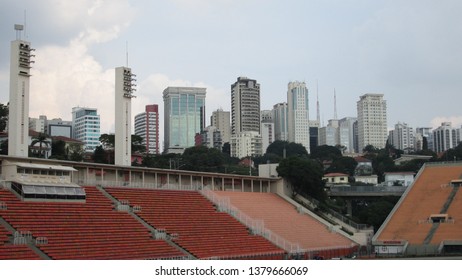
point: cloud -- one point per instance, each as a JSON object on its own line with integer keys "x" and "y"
{"x": 456, "y": 121}
{"x": 69, "y": 76}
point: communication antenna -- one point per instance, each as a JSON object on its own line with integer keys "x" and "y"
{"x": 335, "y": 105}
{"x": 25, "y": 24}
{"x": 318, "y": 117}
{"x": 126, "y": 51}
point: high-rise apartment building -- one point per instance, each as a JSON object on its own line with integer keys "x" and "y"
{"x": 402, "y": 137}
{"x": 245, "y": 106}
{"x": 443, "y": 138}
{"x": 372, "y": 121}
{"x": 184, "y": 116}
{"x": 147, "y": 127}
{"x": 280, "y": 115}
{"x": 298, "y": 114}
{"x": 18, "y": 117}
{"x": 86, "y": 124}
{"x": 222, "y": 121}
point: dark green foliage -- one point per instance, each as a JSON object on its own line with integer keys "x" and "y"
{"x": 3, "y": 116}
{"x": 304, "y": 176}
{"x": 375, "y": 212}
{"x": 58, "y": 150}
{"x": 345, "y": 165}
{"x": 325, "y": 152}
{"x": 201, "y": 158}
{"x": 99, "y": 155}
{"x": 291, "y": 149}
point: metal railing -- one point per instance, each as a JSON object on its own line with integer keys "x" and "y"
{"x": 256, "y": 226}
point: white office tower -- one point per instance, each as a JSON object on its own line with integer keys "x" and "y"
{"x": 280, "y": 116}
{"x": 298, "y": 114}
{"x": 124, "y": 88}
{"x": 245, "y": 106}
{"x": 86, "y": 127}
{"x": 222, "y": 121}
{"x": 372, "y": 121}
{"x": 18, "y": 118}
{"x": 402, "y": 137}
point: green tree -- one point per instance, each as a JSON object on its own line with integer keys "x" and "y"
{"x": 107, "y": 141}
{"x": 374, "y": 213}
{"x": 42, "y": 139}
{"x": 304, "y": 176}
{"x": 75, "y": 152}
{"x": 99, "y": 155}
{"x": 3, "y": 116}
{"x": 345, "y": 165}
{"x": 137, "y": 144}
{"x": 202, "y": 158}
{"x": 58, "y": 150}
{"x": 281, "y": 148}
{"x": 4, "y": 147}
{"x": 325, "y": 152}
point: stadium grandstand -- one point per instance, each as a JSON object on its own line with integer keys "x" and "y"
{"x": 53, "y": 209}
{"x": 427, "y": 220}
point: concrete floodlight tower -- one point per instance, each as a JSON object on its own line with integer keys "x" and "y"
{"x": 124, "y": 88}
{"x": 18, "y": 118}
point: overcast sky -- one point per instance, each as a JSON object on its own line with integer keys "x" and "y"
{"x": 410, "y": 51}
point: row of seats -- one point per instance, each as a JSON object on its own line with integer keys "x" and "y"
{"x": 88, "y": 230}
{"x": 427, "y": 196}
{"x": 201, "y": 230}
{"x": 284, "y": 220}
{"x": 9, "y": 251}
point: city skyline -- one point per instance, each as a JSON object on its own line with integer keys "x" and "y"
{"x": 408, "y": 52}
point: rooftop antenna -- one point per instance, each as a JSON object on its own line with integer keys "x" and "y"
{"x": 18, "y": 28}
{"x": 318, "y": 117}
{"x": 335, "y": 105}
{"x": 126, "y": 51}
{"x": 25, "y": 24}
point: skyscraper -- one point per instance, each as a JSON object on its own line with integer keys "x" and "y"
{"x": 372, "y": 121}
{"x": 280, "y": 121}
{"x": 86, "y": 127}
{"x": 147, "y": 126}
{"x": 18, "y": 118}
{"x": 245, "y": 106}
{"x": 298, "y": 114}
{"x": 184, "y": 116}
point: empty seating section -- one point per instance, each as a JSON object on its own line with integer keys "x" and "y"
{"x": 453, "y": 229}
{"x": 201, "y": 230}
{"x": 427, "y": 196}
{"x": 89, "y": 230}
{"x": 9, "y": 251}
{"x": 283, "y": 219}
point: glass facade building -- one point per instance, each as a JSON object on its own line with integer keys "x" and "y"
{"x": 86, "y": 127}
{"x": 184, "y": 116}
